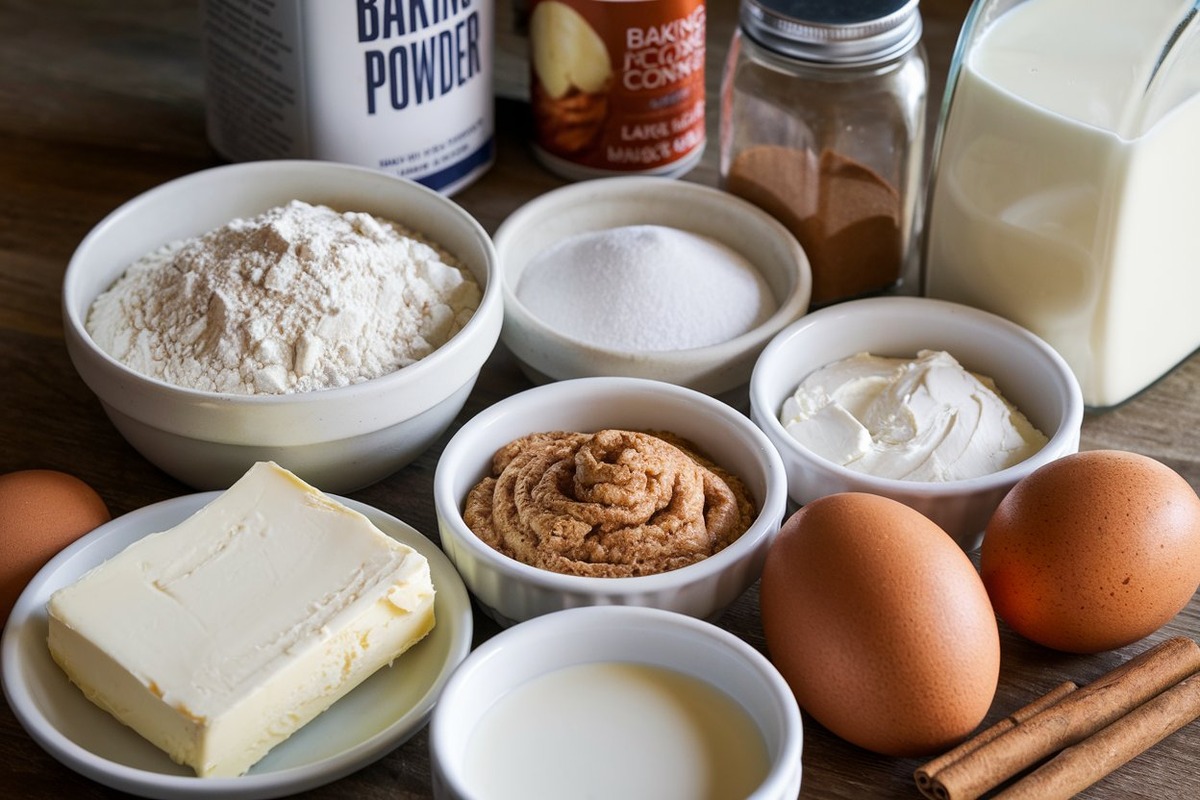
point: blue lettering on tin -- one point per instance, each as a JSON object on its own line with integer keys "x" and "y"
{"x": 421, "y": 70}
{"x": 384, "y": 20}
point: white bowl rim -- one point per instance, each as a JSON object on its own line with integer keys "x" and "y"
{"x": 789, "y": 308}
{"x": 542, "y": 629}
{"x": 490, "y": 298}
{"x": 775, "y": 496}
{"x": 1067, "y": 431}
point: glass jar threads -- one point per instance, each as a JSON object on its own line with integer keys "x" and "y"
{"x": 823, "y": 125}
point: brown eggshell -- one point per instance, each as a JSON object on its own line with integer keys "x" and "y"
{"x": 41, "y": 512}
{"x": 879, "y": 623}
{"x": 1093, "y": 551}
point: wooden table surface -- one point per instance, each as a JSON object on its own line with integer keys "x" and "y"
{"x": 101, "y": 101}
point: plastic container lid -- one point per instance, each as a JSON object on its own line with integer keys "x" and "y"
{"x": 849, "y": 32}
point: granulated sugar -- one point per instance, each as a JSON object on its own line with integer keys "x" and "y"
{"x": 645, "y": 288}
{"x": 300, "y": 298}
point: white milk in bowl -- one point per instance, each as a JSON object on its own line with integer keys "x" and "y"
{"x": 1067, "y": 188}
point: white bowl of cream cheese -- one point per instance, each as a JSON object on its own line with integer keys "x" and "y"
{"x": 938, "y": 405}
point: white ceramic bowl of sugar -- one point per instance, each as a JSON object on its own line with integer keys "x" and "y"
{"x": 545, "y": 352}
{"x": 338, "y": 439}
{"x": 1026, "y": 370}
{"x": 511, "y": 678}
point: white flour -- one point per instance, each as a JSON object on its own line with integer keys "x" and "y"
{"x": 299, "y": 298}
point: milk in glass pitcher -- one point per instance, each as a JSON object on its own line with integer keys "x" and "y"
{"x": 1066, "y": 186}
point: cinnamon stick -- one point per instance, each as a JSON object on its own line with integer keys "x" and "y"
{"x": 1081, "y": 765}
{"x": 1072, "y": 719}
{"x": 925, "y": 774}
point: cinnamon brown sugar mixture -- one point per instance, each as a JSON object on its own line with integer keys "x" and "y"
{"x": 609, "y": 504}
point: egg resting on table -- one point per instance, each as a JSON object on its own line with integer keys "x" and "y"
{"x": 41, "y": 512}
{"x": 1093, "y": 551}
{"x": 880, "y": 624}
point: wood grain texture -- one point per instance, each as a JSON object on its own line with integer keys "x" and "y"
{"x": 100, "y": 101}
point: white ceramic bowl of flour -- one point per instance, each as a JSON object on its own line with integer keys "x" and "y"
{"x": 339, "y": 439}
{"x": 547, "y": 350}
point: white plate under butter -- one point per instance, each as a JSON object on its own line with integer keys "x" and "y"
{"x": 369, "y": 722}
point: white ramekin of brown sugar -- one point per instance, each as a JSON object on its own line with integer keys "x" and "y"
{"x": 623, "y": 534}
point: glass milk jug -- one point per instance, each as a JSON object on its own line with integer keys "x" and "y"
{"x": 1066, "y": 185}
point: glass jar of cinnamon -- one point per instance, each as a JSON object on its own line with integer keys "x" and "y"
{"x": 823, "y": 125}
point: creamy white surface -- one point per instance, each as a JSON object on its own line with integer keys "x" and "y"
{"x": 646, "y": 288}
{"x": 616, "y": 729}
{"x": 219, "y": 638}
{"x": 922, "y": 419}
{"x": 1065, "y": 194}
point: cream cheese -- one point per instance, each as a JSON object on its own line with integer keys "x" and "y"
{"x": 219, "y": 638}
{"x": 922, "y": 419}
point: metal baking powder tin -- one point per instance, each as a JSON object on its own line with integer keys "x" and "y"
{"x": 402, "y": 86}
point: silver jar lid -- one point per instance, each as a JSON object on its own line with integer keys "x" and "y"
{"x": 850, "y": 32}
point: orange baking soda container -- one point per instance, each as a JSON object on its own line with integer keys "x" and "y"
{"x": 617, "y": 86}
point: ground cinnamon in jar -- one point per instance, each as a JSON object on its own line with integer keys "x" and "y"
{"x": 823, "y": 125}
{"x": 845, "y": 215}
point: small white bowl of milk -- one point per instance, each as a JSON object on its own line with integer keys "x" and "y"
{"x": 616, "y": 701}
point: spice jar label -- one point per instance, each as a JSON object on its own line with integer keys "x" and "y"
{"x": 617, "y": 87}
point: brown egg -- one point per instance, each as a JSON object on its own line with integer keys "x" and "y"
{"x": 879, "y": 623}
{"x": 1093, "y": 551}
{"x": 41, "y": 512}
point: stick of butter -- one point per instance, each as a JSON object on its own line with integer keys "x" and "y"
{"x": 219, "y": 638}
